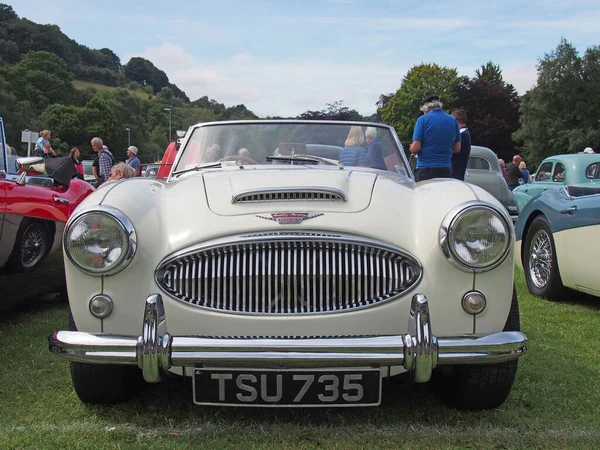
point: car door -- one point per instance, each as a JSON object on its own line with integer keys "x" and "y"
{"x": 582, "y": 244}
{"x": 540, "y": 182}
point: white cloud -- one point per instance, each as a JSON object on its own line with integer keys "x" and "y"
{"x": 522, "y": 77}
{"x": 284, "y": 88}
{"x": 394, "y": 24}
{"x": 241, "y": 58}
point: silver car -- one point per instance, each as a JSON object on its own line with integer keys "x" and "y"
{"x": 483, "y": 170}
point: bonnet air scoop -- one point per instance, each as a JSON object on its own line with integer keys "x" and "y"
{"x": 231, "y": 192}
{"x": 281, "y": 194}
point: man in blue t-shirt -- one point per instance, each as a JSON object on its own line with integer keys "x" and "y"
{"x": 435, "y": 139}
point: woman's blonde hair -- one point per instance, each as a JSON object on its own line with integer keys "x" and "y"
{"x": 522, "y": 165}
{"x": 44, "y": 133}
{"x": 126, "y": 170}
{"x": 355, "y": 137}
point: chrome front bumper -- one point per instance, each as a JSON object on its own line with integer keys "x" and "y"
{"x": 418, "y": 351}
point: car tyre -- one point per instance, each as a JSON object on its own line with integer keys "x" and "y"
{"x": 539, "y": 261}
{"x": 481, "y": 386}
{"x": 32, "y": 244}
{"x": 104, "y": 384}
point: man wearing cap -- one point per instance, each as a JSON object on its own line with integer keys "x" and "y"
{"x": 133, "y": 160}
{"x": 435, "y": 139}
{"x": 589, "y": 150}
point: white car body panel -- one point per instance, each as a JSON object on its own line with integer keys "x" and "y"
{"x": 157, "y": 209}
{"x": 577, "y": 250}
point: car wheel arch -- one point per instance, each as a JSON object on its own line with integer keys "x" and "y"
{"x": 49, "y": 227}
{"x": 535, "y": 214}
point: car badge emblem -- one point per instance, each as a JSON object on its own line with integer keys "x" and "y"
{"x": 289, "y": 217}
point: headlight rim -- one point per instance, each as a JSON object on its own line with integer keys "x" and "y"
{"x": 130, "y": 239}
{"x": 450, "y": 220}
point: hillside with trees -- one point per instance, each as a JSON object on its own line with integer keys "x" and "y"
{"x": 133, "y": 95}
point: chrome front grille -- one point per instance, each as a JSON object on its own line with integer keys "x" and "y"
{"x": 288, "y": 273}
{"x": 290, "y": 194}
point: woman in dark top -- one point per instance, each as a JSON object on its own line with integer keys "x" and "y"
{"x": 75, "y": 155}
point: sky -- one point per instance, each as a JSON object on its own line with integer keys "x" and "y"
{"x": 284, "y": 57}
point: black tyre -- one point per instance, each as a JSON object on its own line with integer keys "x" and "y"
{"x": 482, "y": 386}
{"x": 540, "y": 263}
{"x": 32, "y": 244}
{"x": 104, "y": 384}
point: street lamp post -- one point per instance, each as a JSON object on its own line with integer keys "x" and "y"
{"x": 169, "y": 109}
{"x": 128, "y": 137}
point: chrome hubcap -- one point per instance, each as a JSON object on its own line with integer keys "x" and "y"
{"x": 34, "y": 246}
{"x": 540, "y": 259}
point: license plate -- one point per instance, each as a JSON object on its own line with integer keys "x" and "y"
{"x": 275, "y": 388}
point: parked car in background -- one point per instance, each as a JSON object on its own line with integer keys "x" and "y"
{"x": 557, "y": 240}
{"x": 558, "y": 171}
{"x": 483, "y": 170}
{"x": 88, "y": 175}
{"x": 33, "y": 210}
{"x": 150, "y": 170}
{"x": 282, "y": 278}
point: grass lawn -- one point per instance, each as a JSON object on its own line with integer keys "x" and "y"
{"x": 79, "y": 84}
{"x": 553, "y": 404}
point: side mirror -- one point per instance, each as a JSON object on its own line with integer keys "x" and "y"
{"x": 521, "y": 181}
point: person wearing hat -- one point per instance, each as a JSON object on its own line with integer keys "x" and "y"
{"x": 435, "y": 139}
{"x": 133, "y": 160}
{"x": 588, "y": 150}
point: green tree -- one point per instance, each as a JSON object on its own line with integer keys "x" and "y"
{"x": 402, "y": 110}
{"x": 560, "y": 114}
{"x": 144, "y": 72}
{"x": 490, "y": 73}
{"x": 9, "y": 51}
{"x": 7, "y": 14}
{"x": 333, "y": 111}
{"x": 43, "y": 79}
{"x": 492, "y": 108}
{"x": 113, "y": 62}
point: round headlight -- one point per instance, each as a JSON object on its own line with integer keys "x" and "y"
{"x": 100, "y": 242}
{"x": 476, "y": 237}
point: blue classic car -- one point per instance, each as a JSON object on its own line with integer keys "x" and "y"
{"x": 557, "y": 239}
{"x": 558, "y": 171}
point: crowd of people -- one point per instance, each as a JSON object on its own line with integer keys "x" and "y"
{"x": 104, "y": 166}
{"x": 441, "y": 142}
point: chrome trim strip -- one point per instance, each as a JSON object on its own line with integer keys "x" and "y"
{"x": 418, "y": 351}
{"x": 313, "y": 293}
{"x": 290, "y": 194}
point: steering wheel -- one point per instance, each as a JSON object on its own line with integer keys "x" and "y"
{"x": 239, "y": 158}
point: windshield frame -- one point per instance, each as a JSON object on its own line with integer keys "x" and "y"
{"x": 4, "y": 155}
{"x": 409, "y": 174}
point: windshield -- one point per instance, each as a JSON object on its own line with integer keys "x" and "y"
{"x": 251, "y": 143}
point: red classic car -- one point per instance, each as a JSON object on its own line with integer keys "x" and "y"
{"x": 34, "y": 207}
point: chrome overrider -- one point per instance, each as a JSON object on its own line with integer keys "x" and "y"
{"x": 419, "y": 351}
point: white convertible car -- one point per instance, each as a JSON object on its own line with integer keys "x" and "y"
{"x": 274, "y": 275}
